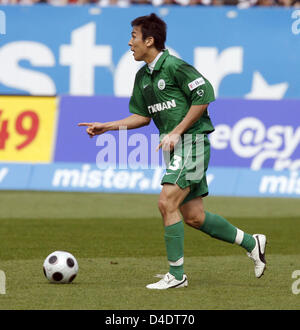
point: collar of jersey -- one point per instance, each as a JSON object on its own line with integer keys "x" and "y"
{"x": 159, "y": 62}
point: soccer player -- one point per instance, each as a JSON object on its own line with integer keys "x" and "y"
{"x": 176, "y": 96}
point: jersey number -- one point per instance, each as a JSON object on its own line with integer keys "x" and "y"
{"x": 176, "y": 163}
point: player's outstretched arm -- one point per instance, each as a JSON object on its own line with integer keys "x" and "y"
{"x": 131, "y": 122}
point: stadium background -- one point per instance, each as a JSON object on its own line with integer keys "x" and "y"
{"x": 79, "y": 58}
{"x": 64, "y": 65}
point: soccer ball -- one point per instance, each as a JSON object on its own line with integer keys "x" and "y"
{"x": 60, "y": 267}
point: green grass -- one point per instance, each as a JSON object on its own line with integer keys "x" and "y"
{"x": 118, "y": 242}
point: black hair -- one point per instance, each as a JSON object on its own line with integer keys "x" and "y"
{"x": 152, "y": 26}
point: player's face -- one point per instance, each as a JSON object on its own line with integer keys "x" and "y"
{"x": 138, "y": 45}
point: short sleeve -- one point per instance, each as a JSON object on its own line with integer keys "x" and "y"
{"x": 198, "y": 89}
{"x": 137, "y": 103}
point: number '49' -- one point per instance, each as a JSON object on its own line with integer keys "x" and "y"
{"x": 21, "y": 127}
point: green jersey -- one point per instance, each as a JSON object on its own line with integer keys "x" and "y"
{"x": 167, "y": 94}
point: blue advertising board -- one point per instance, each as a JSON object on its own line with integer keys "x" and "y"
{"x": 83, "y": 50}
{"x": 222, "y": 181}
{"x": 14, "y": 176}
{"x": 74, "y": 145}
{"x": 249, "y": 134}
{"x": 254, "y": 151}
{"x": 256, "y": 134}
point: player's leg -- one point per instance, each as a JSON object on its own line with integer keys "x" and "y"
{"x": 194, "y": 175}
{"x": 170, "y": 198}
{"x": 214, "y": 225}
{"x": 218, "y": 227}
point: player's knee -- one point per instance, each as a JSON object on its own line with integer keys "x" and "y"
{"x": 165, "y": 206}
{"x": 162, "y": 205}
{"x": 195, "y": 221}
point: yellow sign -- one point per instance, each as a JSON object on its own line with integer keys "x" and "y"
{"x": 27, "y": 128}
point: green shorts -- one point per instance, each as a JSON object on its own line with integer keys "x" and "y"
{"x": 187, "y": 165}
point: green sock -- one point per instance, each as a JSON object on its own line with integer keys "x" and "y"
{"x": 218, "y": 227}
{"x": 248, "y": 242}
{"x": 174, "y": 238}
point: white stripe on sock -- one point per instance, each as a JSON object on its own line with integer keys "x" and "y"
{"x": 179, "y": 262}
{"x": 239, "y": 236}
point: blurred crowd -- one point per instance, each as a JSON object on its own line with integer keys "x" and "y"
{"x": 126, "y": 3}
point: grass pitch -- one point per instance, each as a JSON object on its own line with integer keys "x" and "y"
{"x": 118, "y": 242}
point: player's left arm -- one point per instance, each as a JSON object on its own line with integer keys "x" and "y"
{"x": 199, "y": 91}
{"x": 194, "y": 114}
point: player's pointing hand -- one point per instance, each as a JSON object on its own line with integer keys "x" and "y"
{"x": 94, "y": 128}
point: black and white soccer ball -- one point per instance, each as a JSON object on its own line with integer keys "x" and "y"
{"x": 60, "y": 267}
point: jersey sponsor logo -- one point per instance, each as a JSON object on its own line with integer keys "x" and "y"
{"x": 196, "y": 83}
{"x": 161, "y": 84}
{"x": 161, "y": 106}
